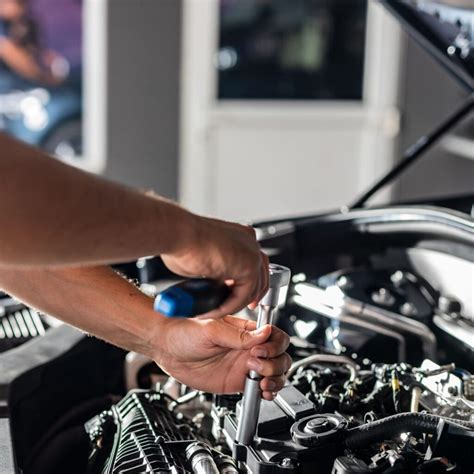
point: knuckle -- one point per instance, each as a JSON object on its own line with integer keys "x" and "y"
{"x": 276, "y": 349}
{"x": 279, "y": 381}
{"x": 248, "y": 229}
{"x": 243, "y": 334}
{"x": 210, "y": 327}
{"x": 251, "y": 231}
{"x": 247, "y": 325}
{"x": 268, "y": 369}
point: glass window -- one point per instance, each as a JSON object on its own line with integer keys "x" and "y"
{"x": 298, "y": 49}
{"x": 40, "y": 73}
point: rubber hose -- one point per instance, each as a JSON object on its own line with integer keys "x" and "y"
{"x": 386, "y": 428}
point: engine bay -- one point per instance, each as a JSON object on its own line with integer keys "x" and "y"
{"x": 333, "y": 416}
{"x": 379, "y": 312}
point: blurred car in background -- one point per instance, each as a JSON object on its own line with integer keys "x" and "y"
{"x": 41, "y": 74}
{"x": 50, "y": 118}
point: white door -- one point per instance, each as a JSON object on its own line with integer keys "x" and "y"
{"x": 251, "y": 159}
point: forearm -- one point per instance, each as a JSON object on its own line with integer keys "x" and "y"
{"x": 96, "y": 300}
{"x": 53, "y": 214}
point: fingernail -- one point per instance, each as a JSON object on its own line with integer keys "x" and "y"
{"x": 254, "y": 364}
{"x": 259, "y": 331}
{"x": 259, "y": 352}
{"x": 271, "y": 386}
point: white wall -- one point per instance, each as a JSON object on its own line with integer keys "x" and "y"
{"x": 131, "y": 79}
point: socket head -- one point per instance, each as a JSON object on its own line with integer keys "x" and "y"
{"x": 279, "y": 281}
{"x": 279, "y": 276}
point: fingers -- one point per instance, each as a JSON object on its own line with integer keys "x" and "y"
{"x": 266, "y": 274}
{"x": 270, "y": 367}
{"x": 262, "y": 286}
{"x": 251, "y": 271}
{"x": 273, "y": 384}
{"x": 241, "y": 323}
{"x": 249, "y": 229}
{"x": 276, "y": 345}
{"x": 234, "y": 335}
{"x": 241, "y": 294}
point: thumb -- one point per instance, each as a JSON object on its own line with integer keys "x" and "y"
{"x": 234, "y": 337}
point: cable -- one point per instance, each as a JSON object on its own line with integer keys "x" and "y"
{"x": 394, "y": 425}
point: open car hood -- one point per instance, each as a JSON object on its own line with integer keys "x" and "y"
{"x": 445, "y": 28}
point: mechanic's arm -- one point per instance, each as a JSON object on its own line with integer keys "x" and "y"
{"x": 52, "y": 214}
{"x": 211, "y": 355}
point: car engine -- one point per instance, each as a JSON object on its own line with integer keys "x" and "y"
{"x": 335, "y": 415}
{"x": 381, "y": 325}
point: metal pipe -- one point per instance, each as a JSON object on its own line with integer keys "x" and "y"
{"x": 402, "y": 324}
{"x": 336, "y": 314}
{"x": 338, "y": 302}
{"x": 327, "y": 358}
{"x": 226, "y": 464}
{"x": 199, "y": 456}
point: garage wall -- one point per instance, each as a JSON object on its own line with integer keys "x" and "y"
{"x": 143, "y": 65}
{"x": 429, "y": 95}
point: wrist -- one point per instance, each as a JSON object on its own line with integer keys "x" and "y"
{"x": 153, "y": 335}
{"x": 183, "y": 228}
{"x": 158, "y": 339}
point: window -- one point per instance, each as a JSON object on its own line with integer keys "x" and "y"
{"x": 298, "y": 49}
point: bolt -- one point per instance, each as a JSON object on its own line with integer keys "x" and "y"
{"x": 397, "y": 277}
{"x": 299, "y": 277}
{"x": 452, "y": 390}
{"x": 449, "y": 305}
{"x": 383, "y": 297}
{"x": 286, "y": 462}
{"x": 408, "y": 309}
{"x": 344, "y": 282}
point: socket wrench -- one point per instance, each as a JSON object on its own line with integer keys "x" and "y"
{"x": 250, "y": 408}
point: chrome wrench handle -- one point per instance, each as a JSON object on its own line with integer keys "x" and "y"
{"x": 250, "y": 408}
